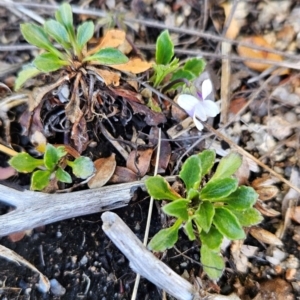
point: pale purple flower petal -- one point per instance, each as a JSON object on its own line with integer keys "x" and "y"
{"x": 211, "y": 108}
{"x": 188, "y": 103}
{"x": 200, "y": 112}
{"x": 197, "y": 123}
{"x": 206, "y": 88}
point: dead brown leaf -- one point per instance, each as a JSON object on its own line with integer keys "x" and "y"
{"x": 265, "y": 210}
{"x": 134, "y": 65}
{"x": 267, "y": 192}
{"x": 123, "y": 175}
{"x": 79, "y": 135}
{"x": 105, "y": 168}
{"x": 109, "y": 77}
{"x": 295, "y": 214}
{"x": 139, "y": 161}
{"x": 265, "y": 236}
{"x": 113, "y": 38}
{"x": 252, "y": 53}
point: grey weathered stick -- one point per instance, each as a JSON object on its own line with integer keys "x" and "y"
{"x": 35, "y": 209}
{"x": 143, "y": 261}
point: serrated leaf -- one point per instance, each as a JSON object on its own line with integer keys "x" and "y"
{"x": 40, "y": 179}
{"x": 212, "y": 239}
{"x": 177, "y": 208}
{"x": 50, "y": 157}
{"x": 244, "y": 197}
{"x": 228, "y": 225}
{"x": 160, "y": 189}
{"x": 189, "y": 230}
{"x": 161, "y": 71}
{"x": 164, "y": 48}
{"x": 63, "y": 176}
{"x": 84, "y": 33}
{"x": 49, "y": 62}
{"x": 58, "y": 32}
{"x": 64, "y": 16}
{"x": 195, "y": 66}
{"x": 204, "y": 215}
{"x": 228, "y": 166}
{"x": 165, "y": 238}
{"x": 36, "y": 36}
{"x": 25, "y": 74}
{"x": 191, "y": 172}
{"x": 213, "y": 263}
{"x": 25, "y": 163}
{"x": 217, "y": 189}
{"x": 108, "y": 56}
{"x": 248, "y": 217}
{"x": 82, "y": 167}
{"x": 207, "y": 158}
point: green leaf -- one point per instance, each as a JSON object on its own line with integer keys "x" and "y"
{"x": 64, "y": 16}
{"x": 193, "y": 194}
{"x": 48, "y": 62}
{"x": 244, "y": 197}
{"x": 177, "y": 209}
{"x": 213, "y": 263}
{"x": 27, "y": 73}
{"x": 108, "y": 56}
{"x": 36, "y": 36}
{"x": 228, "y": 224}
{"x": 82, "y": 167}
{"x": 217, "y": 189}
{"x": 204, "y": 215}
{"x": 84, "y": 33}
{"x": 212, "y": 239}
{"x": 160, "y": 189}
{"x": 161, "y": 71}
{"x": 189, "y": 230}
{"x": 207, "y": 158}
{"x": 165, "y": 238}
{"x": 58, "y": 32}
{"x": 61, "y": 151}
{"x": 191, "y": 172}
{"x": 25, "y": 163}
{"x": 50, "y": 157}
{"x": 195, "y": 65}
{"x": 164, "y": 48}
{"x": 182, "y": 74}
{"x": 248, "y": 217}
{"x": 63, "y": 176}
{"x": 39, "y": 180}
{"x": 228, "y": 166}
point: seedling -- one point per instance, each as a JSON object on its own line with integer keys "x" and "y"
{"x": 51, "y": 166}
{"x": 208, "y": 211}
{"x": 168, "y": 65}
{"x": 73, "y": 54}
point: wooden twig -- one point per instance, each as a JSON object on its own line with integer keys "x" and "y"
{"x": 143, "y": 262}
{"x": 33, "y": 209}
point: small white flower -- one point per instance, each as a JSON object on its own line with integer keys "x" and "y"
{"x": 198, "y": 107}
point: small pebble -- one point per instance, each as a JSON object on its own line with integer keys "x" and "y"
{"x": 84, "y": 260}
{"x": 290, "y": 274}
{"x": 56, "y": 288}
{"x": 58, "y": 234}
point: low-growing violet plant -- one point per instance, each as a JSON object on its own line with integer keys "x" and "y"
{"x": 52, "y": 165}
{"x": 208, "y": 211}
{"x": 168, "y": 65}
{"x": 73, "y": 53}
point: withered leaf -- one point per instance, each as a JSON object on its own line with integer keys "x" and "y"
{"x": 139, "y": 161}
{"x": 109, "y": 77}
{"x": 265, "y": 236}
{"x": 123, "y": 175}
{"x": 105, "y": 168}
{"x": 79, "y": 135}
{"x": 134, "y": 65}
